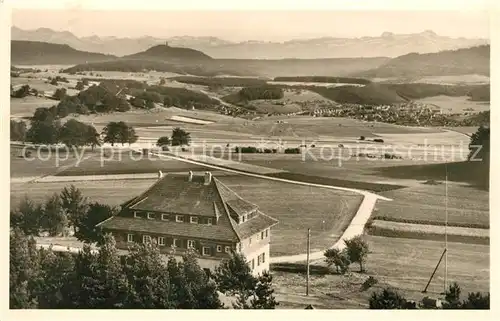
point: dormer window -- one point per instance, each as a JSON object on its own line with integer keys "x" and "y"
{"x": 136, "y": 214}
{"x": 209, "y": 221}
{"x": 151, "y": 216}
{"x": 194, "y": 219}
{"x": 179, "y": 218}
{"x": 164, "y": 217}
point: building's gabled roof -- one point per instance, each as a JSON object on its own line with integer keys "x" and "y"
{"x": 176, "y": 194}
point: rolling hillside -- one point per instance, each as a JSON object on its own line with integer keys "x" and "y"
{"x": 475, "y": 60}
{"x": 42, "y": 53}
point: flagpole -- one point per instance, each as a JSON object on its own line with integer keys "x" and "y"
{"x": 308, "y": 250}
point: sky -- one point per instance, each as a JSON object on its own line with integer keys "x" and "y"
{"x": 241, "y": 25}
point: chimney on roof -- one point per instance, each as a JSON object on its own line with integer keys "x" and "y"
{"x": 190, "y": 176}
{"x": 208, "y": 178}
{"x": 160, "y": 174}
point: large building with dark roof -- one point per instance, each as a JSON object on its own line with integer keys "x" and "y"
{"x": 181, "y": 212}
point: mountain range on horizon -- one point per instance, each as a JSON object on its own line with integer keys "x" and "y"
{"x": 386, "y": 45}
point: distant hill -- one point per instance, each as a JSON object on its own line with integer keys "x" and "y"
{"x": 385, "y": 45}
{"x": 170, "y": 54}
{"x": 42, "y": 53}
{"x": 475, "y": 60}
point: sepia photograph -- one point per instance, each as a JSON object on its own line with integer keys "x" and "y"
{"x": 248, "y": 159}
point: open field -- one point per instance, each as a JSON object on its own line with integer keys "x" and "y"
{"x": 404, "y": 264}
{"x": 38, "y": 164}
{"x": 452, "y": 105}
{"x": 158, "y": 116}
{"x": 25, "y": 107}
{"x": 107, "y": 192}
{"x": 312, "y": 127}
{"x": 430, "y": 232}
{"x": 426, "y": 204}
{"x": 36, "y": 82}
{"x": 297, "y": 208}
{"x": 123, "y": 163}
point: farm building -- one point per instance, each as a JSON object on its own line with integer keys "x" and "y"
{"x": 181, "y": 212}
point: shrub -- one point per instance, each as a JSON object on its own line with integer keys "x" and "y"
{"x": 371, "y": 281}
{"x": 361, "y": 137}
{"x": 292, "y": 151}
{"x": 378, "y": 140}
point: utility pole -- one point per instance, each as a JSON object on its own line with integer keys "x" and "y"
{"x": 446, "y": 229}
{"x": 308, "y": 250}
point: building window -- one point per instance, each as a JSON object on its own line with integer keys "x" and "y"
{"x": 161, "y": 241}
{"x": 209, "y": 221}
{"x": 263, "y": 257}
{"x": 164, "y": 217}
{"x": 151, "y": 216}
{"x": 190, "y": 244}
{"x": 136, "y": 215}
{"x": 175, "y": 242}
{"x": 262, "y": 235}
{"x": 219, "y": 248}
{"x": 239, "y": 247}
{"x": 227, "y": 249}
{"x": 206, "y": 250}
{"x": 253, "y": 264}
{"x": 250, "y": 240}
{"x": 179, "y": 218}
{"x": 194, "y": 219}
{"x": 243, "y": 219}
{"x": 266, "y": 232}
{"x": 258, "y": 260}
{"x": 130, "y": 238}
{"x": 146, "y": 239}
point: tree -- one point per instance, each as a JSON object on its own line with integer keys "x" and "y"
{"x": 129, "y": 136}
{"x": 162, "y": 81}
{"x": 180, "y": 137}
{"x": 53, "y": 81}
{"x": 43, "y": 114}
{"x": 59, "y": 94}
{"x": 55, "y": 271}
{"x": 77, "y": 134}
{"x": 264, "y": 293}
{"x": 357, "y": 250}
{"x": 74, "y": 203}
{"x": 43, "y": 132}
{"x": 163, "y": 141}
{"x": 98, "y": 281}
{"x": 17, "y": 130}
{"x": 86, "y": 230}
{"x": 119, "y": 132}
{"x": 150, "y": 104}
{"x": 480, "y": 139}
{"x": 233, "y": 277}
{"x": 53, "y": 218}
{"x": 338, "y": 258}
{"x": 21, "y": 92}
{"x": 23, "y": 271}
{"x": 79, "y": 86}
{"x": 477, "y": 300}
{"x": 387, "y": 299}
{"x": 27, "y": 217}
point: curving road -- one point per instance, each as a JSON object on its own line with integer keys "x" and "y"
{"x": 355, "y": 227}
